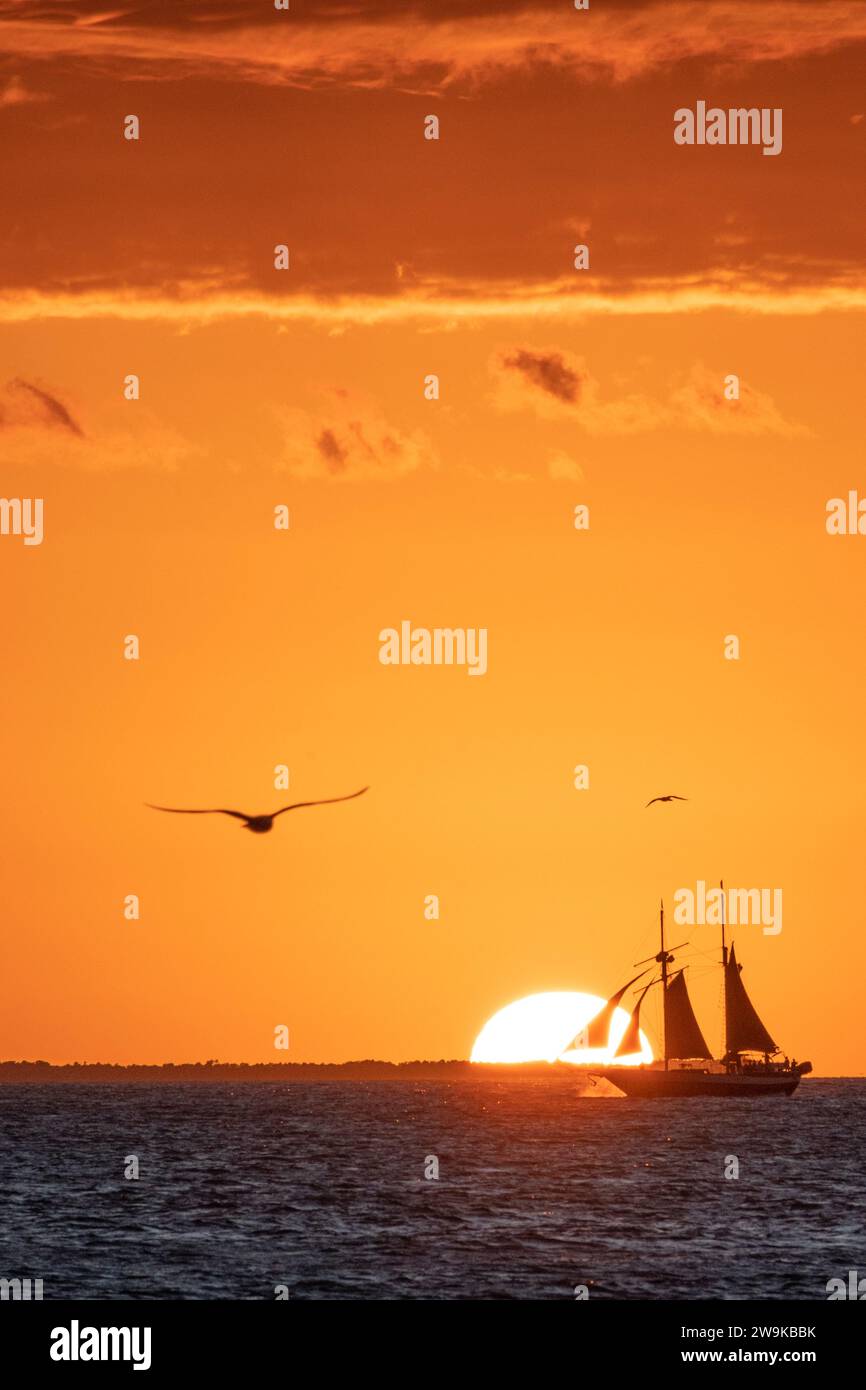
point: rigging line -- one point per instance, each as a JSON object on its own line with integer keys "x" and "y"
{"x": 699, "y": 955}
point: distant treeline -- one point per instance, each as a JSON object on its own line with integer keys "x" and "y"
{"x": 210, "y": 1071}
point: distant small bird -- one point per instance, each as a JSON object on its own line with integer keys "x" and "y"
{"x": 666, "y": 798}
{"x": 259, "y": 825}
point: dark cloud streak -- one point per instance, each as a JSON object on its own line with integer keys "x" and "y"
{"x": 45, "y": 409}
{"x": 548, "y": 371}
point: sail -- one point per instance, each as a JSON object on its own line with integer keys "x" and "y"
{"x": 596, "y": 1033}
{"x": 683, "y": 1036}
{"x": 744, "y": 1031}
{"x": 631, "y": 1041}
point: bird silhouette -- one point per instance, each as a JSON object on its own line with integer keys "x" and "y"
{"x": 672, "y": 797}
{"x": 259, "y": 825}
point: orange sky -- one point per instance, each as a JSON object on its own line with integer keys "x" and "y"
{"x": 411, "y": 257}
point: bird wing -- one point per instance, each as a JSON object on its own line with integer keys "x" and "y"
{"x": 679, "y": 798}
{"x": 325, "y": 801}
{"x": 649, "y": 803}
{"x": 208, "y": 811}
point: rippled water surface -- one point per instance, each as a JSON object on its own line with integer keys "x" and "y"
{"x": 322, "y": 1188}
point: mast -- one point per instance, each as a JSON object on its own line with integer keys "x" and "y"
{"x": 679, "y": 1027}
{"x": 663, "y": 958}
{"x": 724, "y": 973}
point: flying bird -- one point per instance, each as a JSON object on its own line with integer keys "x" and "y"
{"x": 259, "y": 825}
{"x": 666, "y": 798}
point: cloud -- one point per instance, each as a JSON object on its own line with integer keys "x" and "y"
{"x": 39, "y": 430}
{"x": 548, "y": 371}
{"x": 351, "y": 440}
{"x": 334, "y": 454}
{"x": 447, "y": 302}
{"x": 23, "y": 404}
{"x": 151, "y": 446}
{"x": 557, "y": 385}
{"x": 394, "y": 45}
{"x": 699, "y": 403}
{"x": 15, "y": 93}
{"x": 562, "y": 465}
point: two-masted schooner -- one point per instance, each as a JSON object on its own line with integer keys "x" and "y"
{"x": 749, "y": 1067}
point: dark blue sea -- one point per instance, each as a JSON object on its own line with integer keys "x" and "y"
{"x": 321, "y": 1188}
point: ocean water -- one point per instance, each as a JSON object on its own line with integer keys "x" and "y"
{"x": 322, "y": 1188}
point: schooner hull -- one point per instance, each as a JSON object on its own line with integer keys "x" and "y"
{"x": 645, "y": 1083}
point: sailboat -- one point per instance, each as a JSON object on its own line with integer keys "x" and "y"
{"x": 750, "y": 1065}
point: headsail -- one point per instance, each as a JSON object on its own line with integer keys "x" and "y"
{"x": 630, "y": 1041}
{"x": 596, "y": 1033}
{"x": 744, "y": 1031}
{"x": 683, "y": 1036}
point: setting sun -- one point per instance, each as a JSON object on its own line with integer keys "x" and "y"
{"x": 542, "y": 1027}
